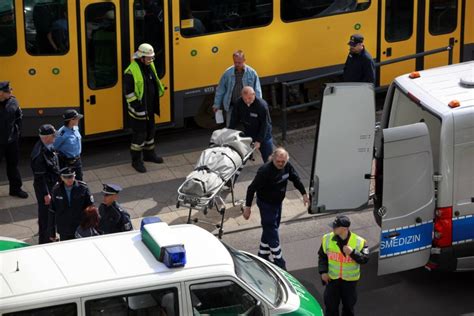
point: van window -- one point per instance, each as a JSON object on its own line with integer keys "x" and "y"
{"x": 443, "y": 16}
{"x": 46, "y": 27}
{"x": 292, "y": 10}
{"x": 223, "y": 298}
{"x": 214, "y": 16}
{"x": 398, "y": 20}
{"x": 157, "y": 302}
{"x": 58, "y": 310}
{"x": 404, "y": 112}
{"x": 149, "y": 26}
{"x": 101, "y": 46}
{"x": 7, "y": 28}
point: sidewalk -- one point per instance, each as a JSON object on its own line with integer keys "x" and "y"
{"x": 154, "y": 193}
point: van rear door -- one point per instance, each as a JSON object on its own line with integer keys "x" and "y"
{"x": 343, "y": 148}
{"x": 408, "y": 202}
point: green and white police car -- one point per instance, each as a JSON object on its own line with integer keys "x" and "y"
{"x": 159, "y": 270}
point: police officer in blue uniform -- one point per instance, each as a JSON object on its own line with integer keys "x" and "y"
{"x": 113, "y": 218}
{"x": 70, "y": 197}
{"x": 10, "y": 128}
{"x": 252, "y": 113}
{"x": 68, "y": 143}
{"x": 45, "y": 167}
{"x": 360, "y": 66}
{"x": 270, "y": 185}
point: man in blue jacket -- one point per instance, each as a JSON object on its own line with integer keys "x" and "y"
{"x": 232, "y": 82}
{"x": 360, "y": 66}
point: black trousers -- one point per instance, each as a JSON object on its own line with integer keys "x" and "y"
{"x": 43, "y": 212}
{"x": 10, "y": 152}
{"x": 75, "y": 165}
{"x": 337, "y": 291}
{"x": 143, "y": 137}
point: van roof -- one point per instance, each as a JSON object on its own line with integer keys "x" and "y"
{"x": 93, "y": 260}
{"x": 436, "y": 87}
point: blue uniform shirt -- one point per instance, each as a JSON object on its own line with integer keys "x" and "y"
{"x": 68, "y": 142}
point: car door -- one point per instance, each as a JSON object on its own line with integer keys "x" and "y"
{"x": 408, "y": 201}
{"x": 344, "y": 145}
{"x": 342, "y": 161}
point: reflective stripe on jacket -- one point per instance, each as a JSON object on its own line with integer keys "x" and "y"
{"x": 341, "y": 266}
{"x": 135, "y": 71}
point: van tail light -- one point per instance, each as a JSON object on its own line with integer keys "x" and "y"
{"x": 443, "y": 227}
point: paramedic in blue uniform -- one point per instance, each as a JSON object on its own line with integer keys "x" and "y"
{"x": 70, "y": 197}
{"x": 113, "y": 218}
{"x": 340, "y": 256}
{"x": 360, "y": 66}
{"x": 252, "y": 112}
{"x": 45, "y": 167}
{"x": 68, "y": 143}
{"x": 10, "y": 129}
{"x": 270, "y": 185}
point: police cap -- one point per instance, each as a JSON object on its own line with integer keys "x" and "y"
{"x": 72, "y": 114}
{"x": 5, "y": 86}
{"x": 355, "y": 39}
{"x": 340, "y": 221}
{"x": 46, "y": 130}
{"x": 110, "y": 189}
{"x": 67, "y": 172}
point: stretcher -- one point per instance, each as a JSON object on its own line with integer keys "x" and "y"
{"x": 216, "y": 171}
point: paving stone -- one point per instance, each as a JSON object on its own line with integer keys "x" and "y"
{"x": 175, "y": 161}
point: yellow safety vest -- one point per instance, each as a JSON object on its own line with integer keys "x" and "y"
{"x": 339, "y": 265}
{"x": 134, "y": 70}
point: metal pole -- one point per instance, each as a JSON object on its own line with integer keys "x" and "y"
{"x": 284, "y": 111}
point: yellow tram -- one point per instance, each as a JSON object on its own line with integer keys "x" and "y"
{"x": 62, "y": 54}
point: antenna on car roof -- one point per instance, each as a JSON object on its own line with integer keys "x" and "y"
{"x": 17, "y": 266}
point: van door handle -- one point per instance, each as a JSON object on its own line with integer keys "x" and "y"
{"x": 392, "y": 235}
{"x": 91, "y": 100}
{"x": 388, "y": 52}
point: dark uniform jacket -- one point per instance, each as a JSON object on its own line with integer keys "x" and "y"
{"x": 270, "y": 183}
{"x": 114, "y": 219}
{"x": 45, "y": 166}
{"x": 66, "y": 216}
{"x": 150, "y": 102}
{"x": 360, "y": 257}
{"x": 255, "y": 119}
{"x": 359, "y": 68}
{"x": 86, "y": 232}
{"x": 10, "y": 121}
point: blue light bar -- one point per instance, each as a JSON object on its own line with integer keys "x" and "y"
{"x": 164, "y": 244}
{"x": 149, "y": 220}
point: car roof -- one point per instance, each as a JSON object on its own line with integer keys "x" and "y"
{"x": 94, "y": 260}
{"x": 437, "y": 87}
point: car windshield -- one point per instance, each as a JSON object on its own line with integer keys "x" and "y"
{"x": 257, "y": 275}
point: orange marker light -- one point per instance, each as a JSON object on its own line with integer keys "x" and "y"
{"x": 454, "y": 104}
{"x": 414, "y": 75}
{"x": 40, "y": 112}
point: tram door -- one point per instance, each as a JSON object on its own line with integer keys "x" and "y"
{"x": 442, "y": 26}
{"x": 101, "y": 66}
{"x": 149, "y": 23}
{"x": 398, "y": 37}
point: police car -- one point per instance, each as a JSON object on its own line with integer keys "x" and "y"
{"x": 7, "y": 243}
{"x": 159, "y": 270}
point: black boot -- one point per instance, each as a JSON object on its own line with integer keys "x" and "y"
{"x": 151, "y": 156}
{"x": 137, "y": 162}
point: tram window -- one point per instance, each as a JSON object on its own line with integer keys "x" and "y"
{"x": 443, "y": 16}
{"x": 101, "y": 46}
{"x": 46, "y": 27}
{"x": 214, "y": 16}
{"x": 293, "y": 10}
{"x": 7, "y": 28}
{"x": 150, "y": 28}
{"x": 398, "y": 20}
{"x": 157, "y": 302}
{"x": 58, "y": 310}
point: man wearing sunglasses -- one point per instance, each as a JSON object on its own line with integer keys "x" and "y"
{"x": 360, "y": 66}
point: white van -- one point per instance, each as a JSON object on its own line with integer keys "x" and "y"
{"x": 424, "y": 161}
{"x": 120, "y": 274}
